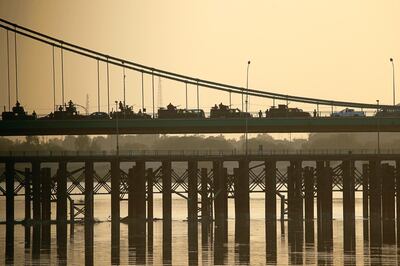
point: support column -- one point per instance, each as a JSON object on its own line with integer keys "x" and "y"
{"x": 388, "y": 205}
{"x": 46, "y": 207}
{"x": 205, "y": 207}
{"x": 397, "y": 179}
{"x": 10, "y": 171}
{"x": 28, "y": 218}
{"x": 89, "y": 212}
{"x": 309, "y": 203}
{"x": 167, "y": 211}
{"x": 150, "y": 216}
{"x": 192, "y": 213}
{"x": 220, "y": 197}
{"x": 115, "y": 211}
{"x": 365, "y": 194}
{"x": 36, "y": 189}
{"x": 270, "y": 211}
{"x": 89, "y": 172}
{"x": 192, "y": 191}
{"x": 324, "y": 206}
{"x": 349, "y": 232}
{"x": 375, "y": 202}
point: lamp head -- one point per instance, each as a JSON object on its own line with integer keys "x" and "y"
{"x": 391, "y": 59}
{"x": 248, "y": 62}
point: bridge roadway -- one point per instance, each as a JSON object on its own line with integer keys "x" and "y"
{"x": 185, "y": 156}
{"x": 180, "y": 126}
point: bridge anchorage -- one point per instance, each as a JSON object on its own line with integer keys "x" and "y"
{"x": 295, "y": 182}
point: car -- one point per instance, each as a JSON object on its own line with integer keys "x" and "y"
{"x": 348, "y": 112}
{"x": 99, "y": 115}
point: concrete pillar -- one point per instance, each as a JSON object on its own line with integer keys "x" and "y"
{"x": 192, "y": 213}
{"x": 349, "y": 232}
{"x": 46, "y": 207}
{"x": 89, "y": 177}
{"x": 115, "y": 211}
{"x": 205, "y": 207}
{"x": 150, "y": 216}
{"x": 270, "y": 211}
{"x": 167, "y": 211}
{"x": 220, "y": 197}
{"x": 324, "y": 206}
{"x": 388, "y": 205}
{"x": 28, "y": 218}
{"x": 36, "y": 190}
{"x": 375, "y": 203}
{"x": 365, "y": 195}
{"x": 192, "y": 191}
{"x": 10, "y": 171}
{"x": 397, "y": 180}
{"x": 309, "y": 203}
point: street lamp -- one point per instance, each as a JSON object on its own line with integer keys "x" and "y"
{"x": 117, "y": 126}
{"x": 394, "y": 83}
{"x": 377, "y": 110}
{"x": 247, "y": 98}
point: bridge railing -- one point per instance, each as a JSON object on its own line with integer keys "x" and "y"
{"x": 233, "y": 152}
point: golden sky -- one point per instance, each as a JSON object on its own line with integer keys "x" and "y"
{"x": 317, "y": 48}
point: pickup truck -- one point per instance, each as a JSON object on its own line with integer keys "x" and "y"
{"x": 348, "y": 113}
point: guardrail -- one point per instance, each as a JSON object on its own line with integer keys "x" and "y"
{"x": 197, "y": 152}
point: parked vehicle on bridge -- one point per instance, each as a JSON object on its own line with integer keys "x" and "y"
{"x": 224, "y": 111}
{"x": 65, "y": 112}
{"x": 389, "y": 112}
{"x": 18, "y": 113}
{"x": 126, "y": 112}
{"x": 173, "y": 112}
{"x": 99, "y": 115}
{"x": 348, "y": 112}
{"x": 284, "y": 111}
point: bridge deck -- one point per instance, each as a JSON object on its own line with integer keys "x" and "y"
{"x": 177, "y": 126}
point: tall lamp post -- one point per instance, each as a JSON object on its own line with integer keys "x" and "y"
{"x": 117, "y": 126}
{"x": 247, "y": 98}
{"x": 394, "y": 83}
{"x": 377, "y": 110}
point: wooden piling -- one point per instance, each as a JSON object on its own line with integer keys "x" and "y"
{"x": 349, "y": 233}
{"x": 309, "y": 203}
{"x": 150, "y": 215}
{"x": 115, "y": 211}
{"x": 388, "y": 205}
{"x": 36, "y": 189}
{"x": 10, "y": 171}
{"x": 205, "y": 202}
{"x": 375, "y": 203}
{"x": 397, "y": 180}
{"x": 89, "y": 177}
{"x": 46, "y": 207}
{"x": 167, "y": 211}
{"x": 192, "y": 191}
{"x": 365, "y": 195}
{"x": 270, "y": 211}
{"x": 28, "y": 218}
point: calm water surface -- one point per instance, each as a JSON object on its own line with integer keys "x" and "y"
{"x": 207, "y": 252}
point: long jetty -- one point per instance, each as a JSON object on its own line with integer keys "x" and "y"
{"x": 297, "y": 179}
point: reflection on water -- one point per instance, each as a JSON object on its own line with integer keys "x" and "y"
{"x": 189, "y": 243}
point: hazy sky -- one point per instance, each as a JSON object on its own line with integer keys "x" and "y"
{"x": 317, "y": 48}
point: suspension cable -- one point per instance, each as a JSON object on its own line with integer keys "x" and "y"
{"x": 143, "y": 93}
{"x": 108, "y": 88}
{"x": 98, "y": 86}
{"x": 16, "y": 65}
{"x": 8, "y": 74}
{"x": 62, "y": 75}
{"x": 54, "y": 81}
{"x": 175, "y": 76}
